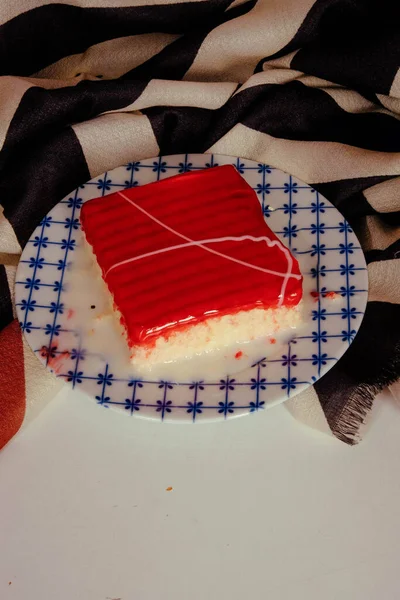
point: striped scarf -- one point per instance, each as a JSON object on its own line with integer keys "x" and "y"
{"x": 309, "y": 86}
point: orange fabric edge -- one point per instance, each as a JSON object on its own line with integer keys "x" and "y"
{"x": 12, "y": 382}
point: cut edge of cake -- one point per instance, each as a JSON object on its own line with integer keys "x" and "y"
{"x": 215, "y": 334}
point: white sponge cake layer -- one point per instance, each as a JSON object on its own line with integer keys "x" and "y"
{"x": 215, "y": 335}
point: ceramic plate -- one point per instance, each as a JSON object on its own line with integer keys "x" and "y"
{"x": 335, "y": 284}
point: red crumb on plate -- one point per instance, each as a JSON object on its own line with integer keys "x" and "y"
{"x": 316, "y": 295}
{"x": 53, "y": 360}
{"x": 272, "y": 341}
{"x": 70, "y": 313}
{"x": 169, "y": 489}
{"x": 238, "y": 355}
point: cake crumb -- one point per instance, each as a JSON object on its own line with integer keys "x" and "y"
{"x": 238, "y": 355}
{"x": 57, "y": 362}
{"x": 169, "y": 489}
{"x": 314, "y": 294}
{"x": 272, "y": 341}
{"x": 330, "y": 294}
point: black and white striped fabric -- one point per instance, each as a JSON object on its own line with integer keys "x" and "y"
{"x": 309, "y": 86}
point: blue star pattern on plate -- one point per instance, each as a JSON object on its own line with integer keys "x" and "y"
{"x": 330, "y": 257}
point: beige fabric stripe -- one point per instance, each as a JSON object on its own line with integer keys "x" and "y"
{"x": 395, "y": 87}
{"x": 353, "y": 102}
{"x": 125, "y": 136}
{"x": 306, "y": 408}
{"x": 391, "y": 103}
{"x": 385, "y": 196}
{"x": 183, "y": 93}
{"x": 236, "y": 3}
{"x": 395, "y": 391}
{"x": 317, "y": 82}
{"x": 350, "y": 101}
{"x": 231, "y": 51}
{"x": 8, "y": 240}
{"x": 123, "y": 54}
{"x": 384, "y": 277}
{"x": 40, "y": 385}
{"x": 11, "y": 91}
{"x": 283, "y": 62}
{"x": 375, "y": 234}
{"x": 9, "y": 10}
{"x": 314, "y": 162}
{"x": 347, "y": 99}
{"x": 279, "y": 75}
{"x": 274, "y": 76}
{"x": 52, "y": 84}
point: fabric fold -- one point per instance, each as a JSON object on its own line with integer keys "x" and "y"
{"x": 309, "y": 87}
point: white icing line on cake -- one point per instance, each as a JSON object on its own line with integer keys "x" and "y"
{"x": 286, "y": 276}
{"x": 200, "y": 243}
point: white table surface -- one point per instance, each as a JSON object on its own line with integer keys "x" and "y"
{"x": 261, "y": 508}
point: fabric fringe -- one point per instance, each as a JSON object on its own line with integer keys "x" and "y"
{"x": 351, "y": 421}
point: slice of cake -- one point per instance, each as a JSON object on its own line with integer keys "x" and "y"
{"x": 191, "y": 264}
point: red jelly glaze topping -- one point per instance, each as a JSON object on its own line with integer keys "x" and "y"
{"x": 173, "y": 289}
